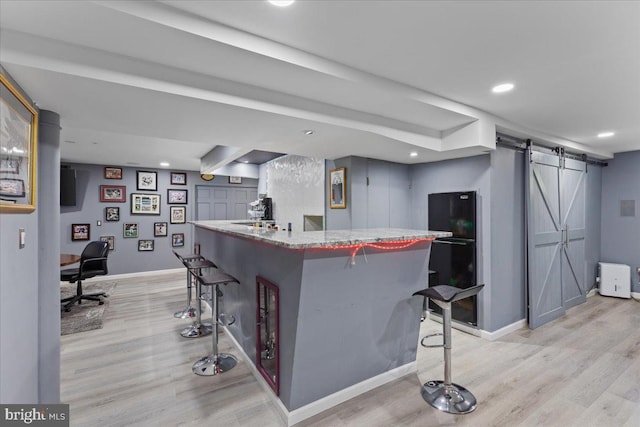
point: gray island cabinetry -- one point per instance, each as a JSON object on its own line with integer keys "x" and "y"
{"x": 347, "y": 321}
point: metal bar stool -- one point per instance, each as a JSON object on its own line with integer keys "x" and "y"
{"x": 190, "y": 311}
{"x": 198, "y": 328}
{"x": 445, "y": 395}
{"x": 215, "y": 363}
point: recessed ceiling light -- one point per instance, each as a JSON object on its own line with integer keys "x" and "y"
{"x": 245, "y": 161}
{"x": 504, "y": 87}
{"x": 164, "y": 164}
{"x": 413, "y": 154}
{"x": 605, "y": 134}
{"x": 281, "y": 3}
{"x": 308, "y": 132}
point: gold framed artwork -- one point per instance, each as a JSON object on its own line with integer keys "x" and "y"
{"x": 337, "y": 188}
{"x": 18, "y": 161}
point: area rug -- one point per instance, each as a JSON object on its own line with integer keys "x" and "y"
{"x": 89, "y": 314}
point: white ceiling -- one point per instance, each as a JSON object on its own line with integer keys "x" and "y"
{"x": 144, "y": 82}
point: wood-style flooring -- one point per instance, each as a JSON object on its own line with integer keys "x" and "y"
{"x": 580, "y": 370}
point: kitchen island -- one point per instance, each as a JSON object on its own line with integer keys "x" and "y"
{"x": 347, "y": 321}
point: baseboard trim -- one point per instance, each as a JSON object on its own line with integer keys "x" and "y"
{"x": 506, "y": 330}
{"x": 355, "y": 390}
{"x": 109, "y": 277}
{"x": 635, "y": 294}
{"x": 327, "y": 402}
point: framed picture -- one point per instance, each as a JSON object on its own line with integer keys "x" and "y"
{"x": 113, "y": 193}
{"x": 145, "y": 245}
{"x": 10, "y": 166}
{"x": 112, "y": 213}
{"x": 178, "y": 178}
{"x": 337, "y": 189}
{"x": 19, "y": 122}
{"x": 111, "y": 240}
{"x": 176, "y": 197}
{"x": 147, "y": 180}
{"x": 178, "y": 214}
{"x": 145, "y": 204}
{"x": 159, "y": 229}
{"x": 80, "y": 231}
{"x": 177, "y": 240}
{"x": 130, "y": 230}
{"x": 235, "y": 180}
{"x": 11, "y": 187}
{"x": 112, "y": 173}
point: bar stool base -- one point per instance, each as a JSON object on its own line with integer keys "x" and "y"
{"x": 214, "y": 364}
{"x": 453, "y": 399}
{"x": 187, "y": 313}
{"x": 226, "y": 319}
{"x": 196, "y": 331}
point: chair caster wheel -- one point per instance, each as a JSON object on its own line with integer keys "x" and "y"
{"x": 101, "y": 303}
{"x": 67, "y": 310}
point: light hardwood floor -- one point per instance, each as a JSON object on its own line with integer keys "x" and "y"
{"x": 580, "y": 370}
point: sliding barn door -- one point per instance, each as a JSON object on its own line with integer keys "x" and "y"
{"x": 573, "y": 214}
{"x": 555, "y": 236}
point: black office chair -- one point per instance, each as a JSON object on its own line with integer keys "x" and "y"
{"x": 93, "y": 262}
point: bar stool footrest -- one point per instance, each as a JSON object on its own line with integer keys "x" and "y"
{"x": 453, "y": 399}
{"x": 214, "y": 364}
{"x": 426, "y": 337}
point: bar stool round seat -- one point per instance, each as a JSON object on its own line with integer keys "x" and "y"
{"x": 215, "y": 363}
{"x": 445, "y": 395}
{"x": 189, "y": 312}
{"x": 198, "y": 328}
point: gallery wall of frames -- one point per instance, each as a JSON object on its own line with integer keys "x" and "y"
{"x": 142, "y": 213}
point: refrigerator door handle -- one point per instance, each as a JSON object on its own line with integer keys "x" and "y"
{"x": 448, "y": 242}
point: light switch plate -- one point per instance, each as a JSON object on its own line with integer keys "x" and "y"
{"x": 99, "y": 223}
{"x": 22, "y": 238}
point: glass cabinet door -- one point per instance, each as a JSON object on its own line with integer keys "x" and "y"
{"x": 268, "y": 326}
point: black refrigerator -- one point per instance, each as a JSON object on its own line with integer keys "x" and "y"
{"x": 453, "y": 259}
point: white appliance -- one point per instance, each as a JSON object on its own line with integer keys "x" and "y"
{"x": 615, "y": 280}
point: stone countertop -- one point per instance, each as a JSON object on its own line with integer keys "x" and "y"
{"x": 318, "y": 239}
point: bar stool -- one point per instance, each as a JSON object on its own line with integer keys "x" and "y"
{"x": 216, "y": 363}
{"x": 198, "y": 328}
{"x": 445, "y": 395}
{"x": 190, "y": 311}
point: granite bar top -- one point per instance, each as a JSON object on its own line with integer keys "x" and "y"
{"x": 317, "y": 239}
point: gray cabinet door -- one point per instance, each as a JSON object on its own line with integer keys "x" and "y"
{"x": 555, "y": 236}
{"x": 223, "y": 203}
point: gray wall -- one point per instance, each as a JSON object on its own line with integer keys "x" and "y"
{"x": 621, "y": 235}
{"x": 48, "y": 258}
{"x": 126, "y": 258}
{"x": 29, "y": 350}
{"x": 593, "y": 220}
{"x": 507, "y": 301}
